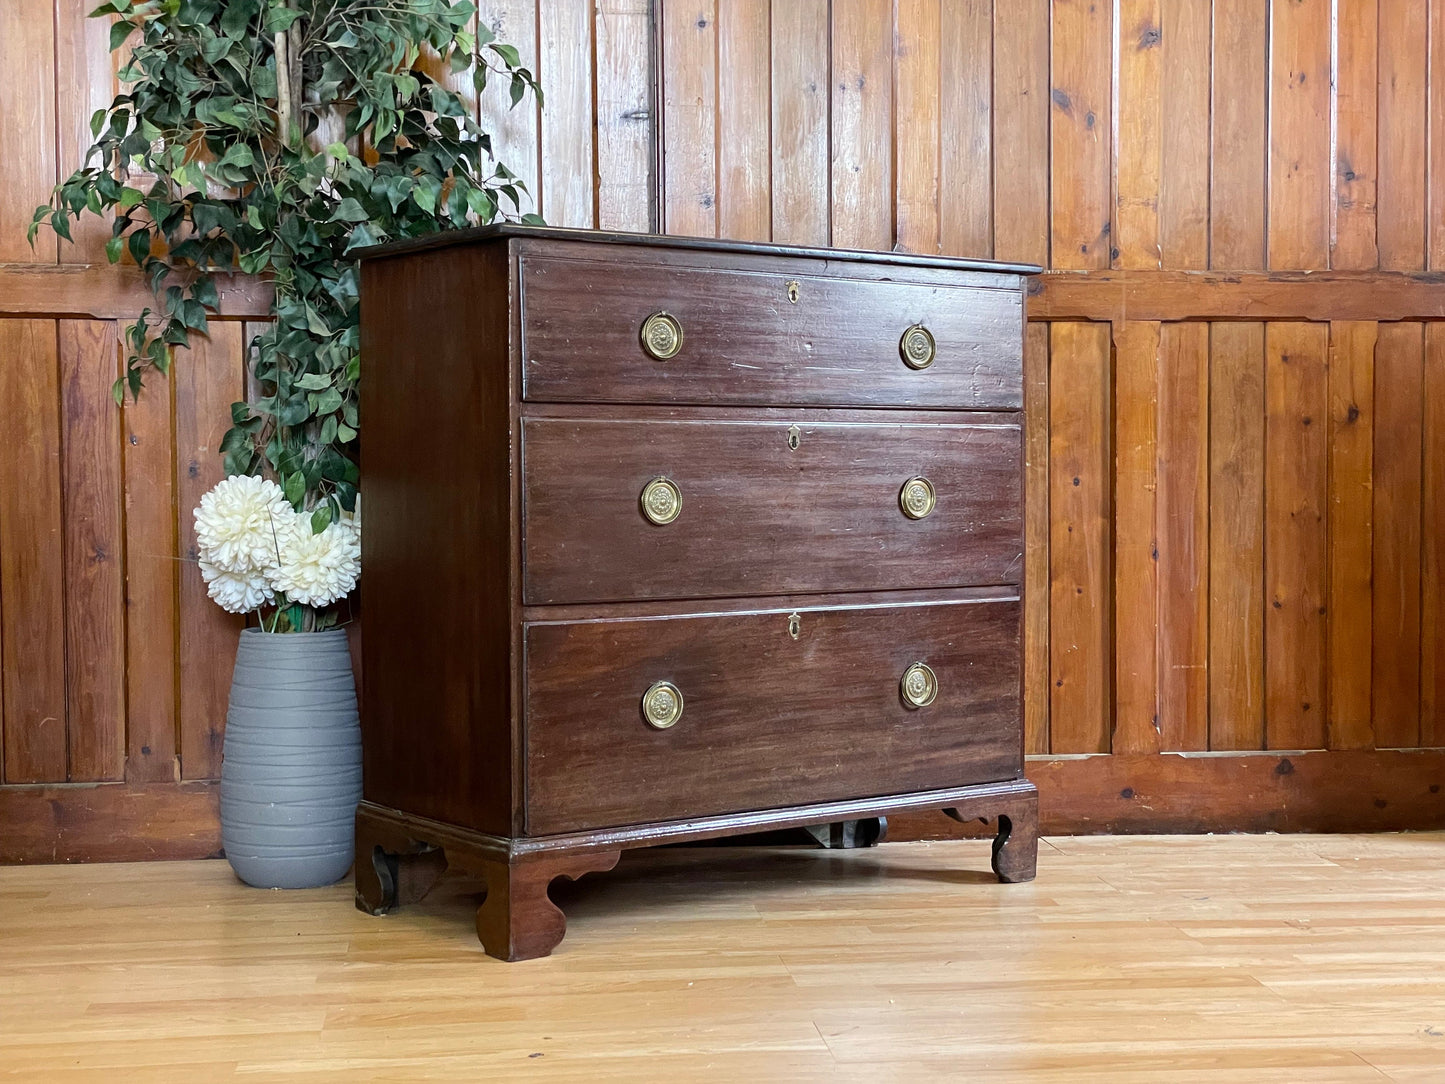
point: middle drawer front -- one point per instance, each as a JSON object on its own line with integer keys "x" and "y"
{"x": 778, "y": 708}
{"x": 766, "y": 508}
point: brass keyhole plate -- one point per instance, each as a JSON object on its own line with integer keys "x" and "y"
{"x": 795, "y": 437}
{"x": 795, "y": 625}
{"x": 793, "y": 291}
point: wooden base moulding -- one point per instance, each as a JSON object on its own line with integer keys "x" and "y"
{"x": 1342, "y": 791}
{"x": 400, "y": 857}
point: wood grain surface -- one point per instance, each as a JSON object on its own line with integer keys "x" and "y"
{"x": 759, "y": 517}
{"x": 767, "y": 719}
{"x": 745, "y": 341}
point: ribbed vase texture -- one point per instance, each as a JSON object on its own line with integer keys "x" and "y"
{"x": 291, "y": 768}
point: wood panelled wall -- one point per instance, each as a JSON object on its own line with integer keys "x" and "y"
{"x": 1236, "y": 376}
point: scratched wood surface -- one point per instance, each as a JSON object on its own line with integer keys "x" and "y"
{"x": 1228, "y": 520}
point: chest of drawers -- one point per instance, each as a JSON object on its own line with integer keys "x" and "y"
{"x": 669, "y": 539}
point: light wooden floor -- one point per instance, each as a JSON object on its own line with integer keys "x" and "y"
{"x": 1268, "y": 958}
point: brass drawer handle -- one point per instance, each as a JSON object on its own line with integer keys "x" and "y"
{"x": 662, "y": 704}
{"x": 917, "y": 347}
{"x": 919, "y": 685}
{"x": 661, "y": 501}
{"x": 917, "y": 497}
{"x": 662, "y": 335}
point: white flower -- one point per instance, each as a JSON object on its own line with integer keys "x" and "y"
{"x": 236, "y": 592}
{"x": 352, "y": 519}
{"x": 317, "y": 569}
{"x": 238, "y": 522}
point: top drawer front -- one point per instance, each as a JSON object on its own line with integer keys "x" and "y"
{"x": 745, "y": 342}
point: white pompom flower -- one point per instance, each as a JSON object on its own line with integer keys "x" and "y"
{"x": 239, "y": 521}
{"x": 317, "y": 569}
{"x": 236, "y": 592}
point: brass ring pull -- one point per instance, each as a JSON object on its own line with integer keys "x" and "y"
{"x": 661, "y": 501}
{"x": 662, "y": 704}
{"x": 662, "y": 335}
{"x": 919, "y": 685}
{"x": 917, "y": 347}
{"x": 917, "y": 497}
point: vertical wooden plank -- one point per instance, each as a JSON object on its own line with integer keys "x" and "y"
{"x": 1036, "y": 538}
{"x": 152, "y": 577}
{"x": 862, "y": 124}
{"x": 1435, "y": 94}
{"x": 1184, "y": 143}
{"x": 1236, "y": 534}
{"x": 1356, "y": 96}
{"x": 1079, "y": 508}
{"x": 84, "y": 83}
{"x": 1183, "y": 534}
{"x": 32, "y": 563}
{"x": 208, "y": 380}
{"x": 514, "y": 131}
{"x": 744, "y": 109}
{"x": 564, "y": 31}
{"x": 1137, "y": 153}
{"x": 1299, "y": 130}
{"x": 27, "y": 126}
{"x": 799, "y": 103}
{"x": 94, "y": 546}
{"x": 1432, "y": 557}
{"x": 1404, "y": 49}
{"x": 1136, "y": 548}
{"x": 689, "y": 117}
{"x": 965, "y": 105}
{"x": 1079, "y": 134}
{"x": 800, "y": 81}
{"x": 1020, "y": 185}
{"x": 1399, "y": 420}
{"x": 1021, "y": 140}
{"x": 916, "y": 90}
{"x": 1352, "y": 421}
{"x": 625, "y": 118}
{"x": 1296, "y": 463}
{"x": 1237, "y": 161}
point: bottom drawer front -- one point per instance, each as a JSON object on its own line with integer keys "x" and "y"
{"x": 779, "y": 708}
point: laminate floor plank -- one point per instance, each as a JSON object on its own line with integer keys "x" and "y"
{"x": 1246, "y": 958}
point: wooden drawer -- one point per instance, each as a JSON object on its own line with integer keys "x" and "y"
{"x": 759, "y": 517}
{"x": 745, "y": 343}
{"x": 768, "y": 719}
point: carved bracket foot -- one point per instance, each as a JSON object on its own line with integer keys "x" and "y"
{"x": 518, "y": 920}
{"x": 1016, "y": 837}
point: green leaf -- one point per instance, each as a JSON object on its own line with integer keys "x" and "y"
{"x": 349, "y": 210}
{"x": 280, "y": 17}
{"x": 321, "y": 519}
{"x": 508, "y": 53}
{"x": 113, "y": 249}
{"x": 119, "y": 31}
{"x": 295, "y": 489}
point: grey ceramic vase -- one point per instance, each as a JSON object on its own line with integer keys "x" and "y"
{"x": 291, "y": 767}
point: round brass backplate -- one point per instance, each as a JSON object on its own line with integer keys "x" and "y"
{"x": 662, "y": 704}
{"x": 917, "y": 347}
{"x": 662, "y": 335}
{"x": 919, "y": 685}
{"x": 917, "y": 498}
{"x": 661, "y": 501}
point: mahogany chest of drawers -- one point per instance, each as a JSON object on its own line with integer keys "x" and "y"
{"x": 672, "y": 538}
